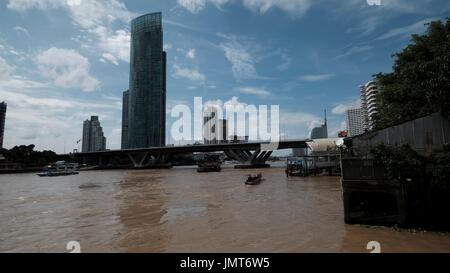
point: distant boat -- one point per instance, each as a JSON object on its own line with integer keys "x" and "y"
{"x": 209, "y": 166}
{"x": 295, "y": 168}
{"x": 59, "y": 168}
{"x": 254, "y": 180}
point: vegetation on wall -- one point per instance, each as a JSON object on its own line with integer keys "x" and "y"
{"x": 402, "y": 162}
{"x": 399, "y": 162}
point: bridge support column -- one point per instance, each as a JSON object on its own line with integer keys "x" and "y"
{"x": 256, "y": 160}
{"x": 138, "y": 159}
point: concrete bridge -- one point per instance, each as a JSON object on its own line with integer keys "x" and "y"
{"x": 248, "y": 154}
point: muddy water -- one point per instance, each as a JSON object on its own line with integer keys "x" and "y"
{"x": 179, "y": 210}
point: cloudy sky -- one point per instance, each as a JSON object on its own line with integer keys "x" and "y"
{"x": 64, "y": 60}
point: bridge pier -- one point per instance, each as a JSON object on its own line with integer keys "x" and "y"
{"x": 137, "y": 159}
{"x": 146, "y": 160}
{"x": 249, "y": 160}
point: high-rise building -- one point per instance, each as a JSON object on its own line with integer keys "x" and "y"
{"x": 210, "y": 125}
{"x": 369, "y": 105}
{"x": 93, "y": 138}
{"x": 355, "y": 121}
{"x": 147, "y": 90}
{"x": 223, "y": 131}
{"x": 321, "y": 131}
{"x": 3, "y": 107}
{"x": 215, "y": 129}
{"x": 124, "y": 144}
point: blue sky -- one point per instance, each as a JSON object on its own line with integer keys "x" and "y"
{"x": 64, "y": 60}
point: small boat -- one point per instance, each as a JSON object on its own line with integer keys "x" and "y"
{"x": 58, "y": 169}
{"x": 254, "y": 180}
{"x": 209, "y": 166}
{"x": 295, "y": 168}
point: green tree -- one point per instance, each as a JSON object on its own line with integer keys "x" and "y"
{"x": 420, "y": 82}
{"x": 26, "y": 154}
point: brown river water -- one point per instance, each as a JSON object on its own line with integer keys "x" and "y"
{"x": 180, "y": 210}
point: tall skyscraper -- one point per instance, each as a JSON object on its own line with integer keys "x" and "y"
{"x": 215, "y": 129}
{"x": 355, "y": 121}
{"x": 3, "y": 107}
{"x": 223, "y": 131}
{"x": 210, "y": 125}
{"x": 125, "y": 99}
{"x": 369, "y": 105}
{"x": 321, "y": 131}
{"x": 147, "y": 91}
{"x": 93, "y": 138}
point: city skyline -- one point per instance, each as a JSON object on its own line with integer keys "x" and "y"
{"x": 228, "y": 59}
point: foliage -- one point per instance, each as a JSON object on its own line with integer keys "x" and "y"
{"x": 420, "y": 82}
{"x": 399, "y": 162}
{"x": 26, "y": 154}
{"x": 404, "y": 162}
{"x": 440, "y": 160}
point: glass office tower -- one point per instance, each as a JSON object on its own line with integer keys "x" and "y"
{"x": 147, "y": 92}
{"x": 125, "y": 109}
{"x": 3, "y": 107}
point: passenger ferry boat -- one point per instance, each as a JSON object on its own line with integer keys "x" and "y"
{"x": 59, "y": 168}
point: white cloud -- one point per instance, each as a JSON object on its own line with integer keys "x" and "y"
{"x": 316, "y": 78}
{"x": 293, "y": 7}
{"x": 237, "y": 52}
{"x": 5, "y": 69}
{"x": 86, "y": 13}
{"x": 22, "y": 30}
{"x": 167, "y": 46}
{"x": 9, "y": 79}
{"x": 409, "y": 6}
{"x": 261, "y": 92}
{"x": 115, "y": 46}
{"x": 355, "y": 50}
{"x": 95, "y": 18}
{"x": 66, "y": 68}
{"x": 23, "y": 5}
{"x": 342, "y": 108}
{"x": 190, "y": 54}
{"x": 286, "y": 62}
{"x": 193, "y": 6}
{"x": 186, "y": 73}
{"x": 405, "y": 32}
{"x": 298, "y": 124}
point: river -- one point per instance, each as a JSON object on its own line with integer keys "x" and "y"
{"x": 180, "y": 210}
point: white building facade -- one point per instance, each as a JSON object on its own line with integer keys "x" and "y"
{"x": 369, "y": 106}
{"x": 355, "y": 122}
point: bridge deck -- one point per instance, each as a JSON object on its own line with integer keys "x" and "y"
{"x": 201, "y": 148}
